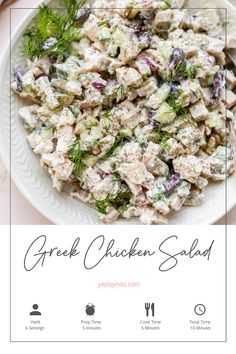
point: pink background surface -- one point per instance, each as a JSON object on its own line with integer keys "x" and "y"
{"x": 22, "y": 212}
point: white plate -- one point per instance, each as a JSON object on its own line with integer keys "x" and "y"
{"x": 35, "y": 184}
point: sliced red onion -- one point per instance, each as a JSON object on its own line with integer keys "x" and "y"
{"x": 171, "y": 183}
{"x": 49, "y": 43}
{"x": 43, "y": 74}
{"x": 150, "y": 63}
{"x": 214, "y": 101}
{"x": 151, "y": 112}
{"x": 98, "y": 85}
{"x": 83, "y": 15}
{"x": 218, "y": 85}
{"x": 174, "y": 89}
{"x": 151, "y": 115}
{"x": 147, "y": 14}
{"x": 141, "y": 33}
{"x": 18, "y": 74}
{"x": 105, "y": 174}
{"x": 148, "y": 37}
{"x": 138, "y": 30}
{"x": 177, "y": 57}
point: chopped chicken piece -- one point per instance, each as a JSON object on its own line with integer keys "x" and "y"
{"x": 111, "y": 215}
{"x": 151, "y": 154}
{"x": 168, "y": 19}
{"x": 199, "y": 111}
{"x": 158, "y": 97}
{"x": 191, "y": 91}
{"x": 215, "y": 48}
{"x": 129, "y": 76}
{"x": 207, "y": 94}
{"x": 43, "y": 147}
{"x": 230, "y": 79}
{"x": 173, "y": 149}
{"x": 195, "y": 198}
{"x": 66, "y": 117}
{"x": 148, "y": 88}
{"x": 131, "y": 211}
{"x": 151, "y": 216}
{"x": 130, "y": 152}
{"x": 60, "y": 165}
{"x": 90, "y": 178}
{"x": 44, "y": 113}
{"x": 229, "y": 99}
{"x": 70, "y": 87}
{"x": 91, "y": 28}
{"x": 81, "y": 194}
{"x": 128, "y": 115}
{"x": 136, "y": 173}
{"x": 201, "y": 182}
{"x": 192, "y": 138}
{"x": 205, "y": 20}
{"x": 29, "y": 115}
{"x": 65, "y": 138}
{"x": 221, "y": 163}
{"x": 104, "y": 187}
{"x": 189, "y": 167}
{"x": 93, "y": 98}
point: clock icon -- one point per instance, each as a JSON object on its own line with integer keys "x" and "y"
{"x": 200, "y": 309}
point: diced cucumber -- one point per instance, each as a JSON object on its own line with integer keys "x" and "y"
{"x": 46, "y": 133}
{"x": 90, "y": 160}
{"x": 133, "y": 12}
{"x": 54, "y": 120}
{"x": 126, "y": 132}
{"x": 215, "y": 120}
{"x": 119, "y": 37}
{"x": 104, "y": 34}
{"x": 165, "y": 114}
{"x": 165, "y": 4}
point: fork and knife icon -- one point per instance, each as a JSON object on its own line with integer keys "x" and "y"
{"x": 149, "y": 306}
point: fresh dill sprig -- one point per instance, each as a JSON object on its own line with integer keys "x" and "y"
{"x": 72, "y": 7}
{"x": 120, "y": 93}
{"x": 168, "y": 5}
{"x": 145, "y": 77}
{"x": 107, "y": 115}
{"x": 31, "y": 50}
{"x": 48, "y": 23}
{"x": 163, "y": 137}
{"x": 120, "y": 141}
{"x": 120, "y": 200}
{"x": 52, "y": 32}
{"x": 116, "y": 177}
{"x": 183, "y": 71}
{"x": 102, "y": 205}
{"x": 91, "y": 124}
{"x": 191, "y": 71}
{"x": 77, "y": 155}
{"x": 103, "y": 23}
{"x": 177, "y": 73}
{"x": 178, "y": 107}
{"x": 158, "y": 196}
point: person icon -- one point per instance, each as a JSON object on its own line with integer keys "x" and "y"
{"x": 35, "y": 312}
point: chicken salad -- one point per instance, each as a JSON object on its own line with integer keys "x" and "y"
{"x": 130, "y": 104}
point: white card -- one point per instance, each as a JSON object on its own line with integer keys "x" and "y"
{"x": 118, "y": 283}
